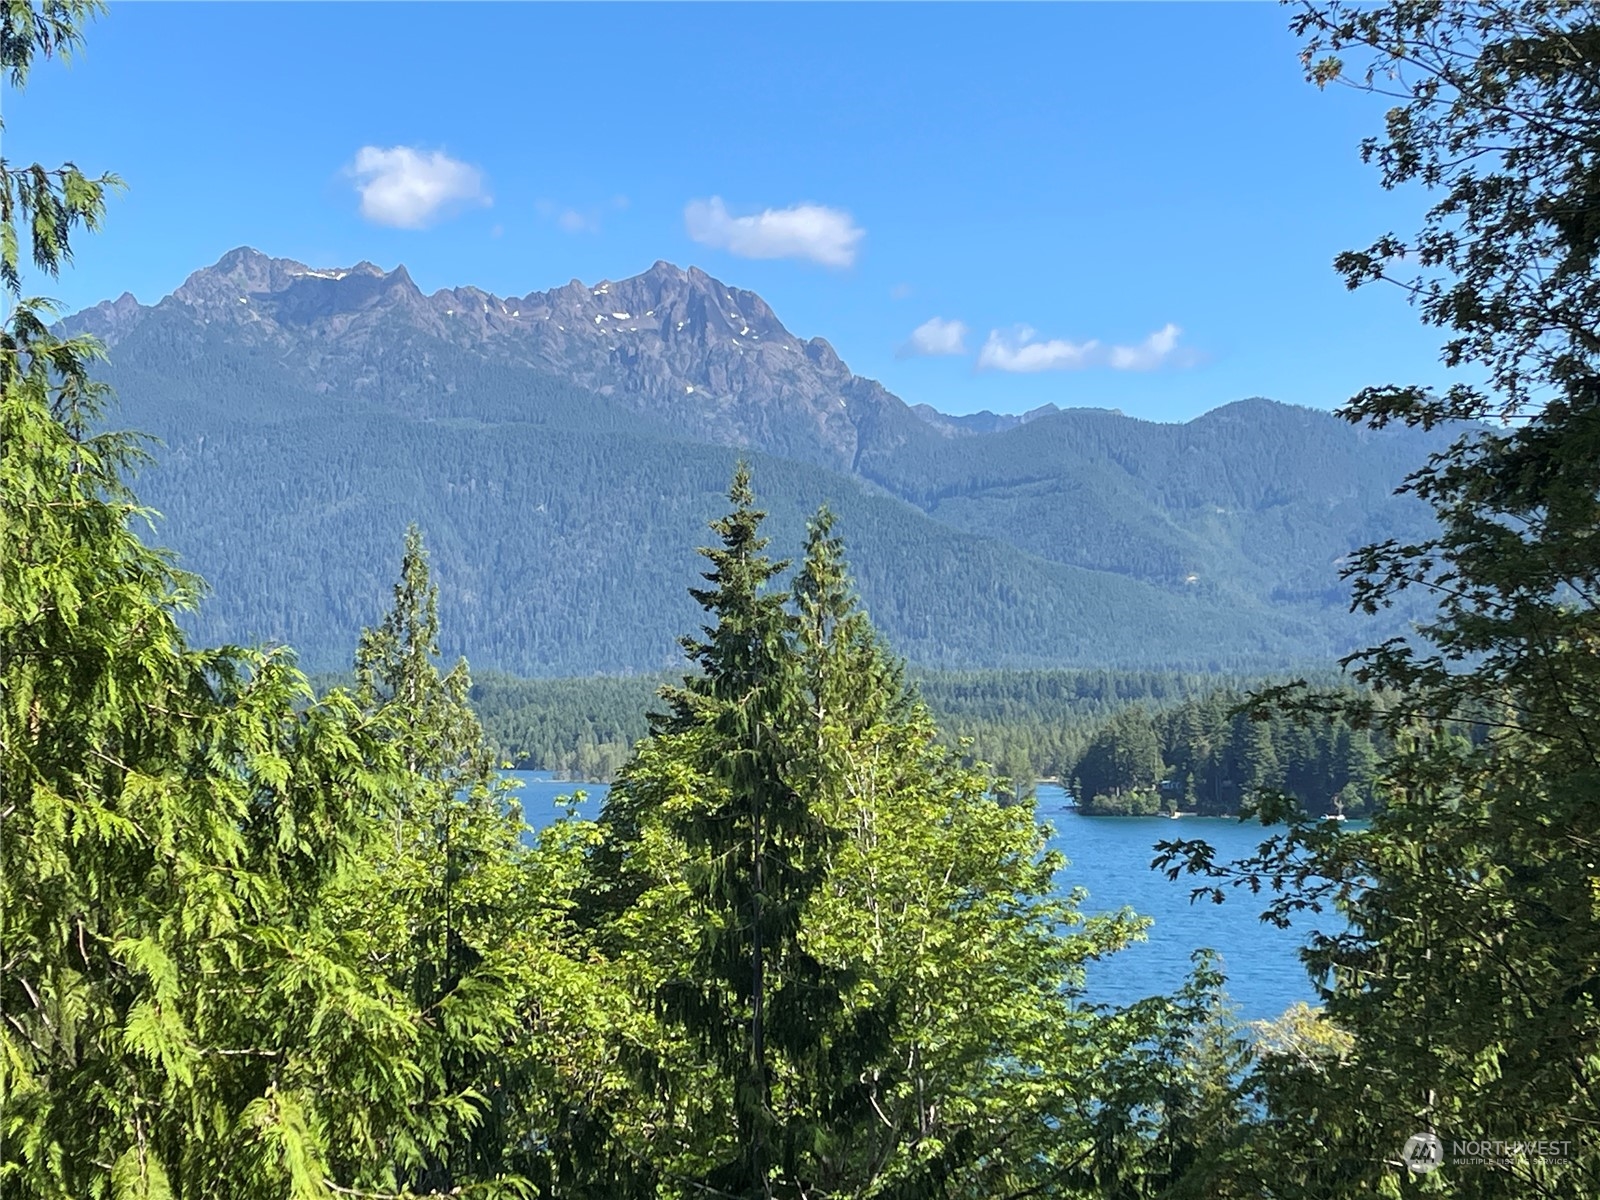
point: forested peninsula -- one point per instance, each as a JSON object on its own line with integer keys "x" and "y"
{"x": 1138, "y": 743}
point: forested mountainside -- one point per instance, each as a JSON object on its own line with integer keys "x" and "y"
{"x": 563, "y": 451}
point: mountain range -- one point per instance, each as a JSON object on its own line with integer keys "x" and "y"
{"x": 564, "y": 450}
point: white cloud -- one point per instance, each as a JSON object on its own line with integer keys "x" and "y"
{"x": 1018, "y": 351}
{"x": 1156, "y": 350}
{"x": 900, "y": 291}
{"x": 828, "y": 236}
{"x": 410, "y": 189}
{"x": 935, "y": 336}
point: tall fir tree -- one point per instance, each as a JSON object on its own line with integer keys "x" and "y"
{"x": 961, "y": 1063}
{"x": 753, "y": 848}
{"x": 440, "y": 736}
{"x": 448, "y": 875}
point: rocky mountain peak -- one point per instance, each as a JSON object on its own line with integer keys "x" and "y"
{"x": 820, "y": 352}
{"x": 676, "y": 343}
{"x": 237, "y": 273}
{"x": 106, "y": 320}
{"x": 662, "y": 269}
{"x": 250, "y": 289}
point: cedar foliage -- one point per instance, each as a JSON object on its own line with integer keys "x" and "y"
{"x": 180, "y": 1016}
{"x": 204, "y": 869}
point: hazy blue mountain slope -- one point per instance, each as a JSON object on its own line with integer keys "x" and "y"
{"x": 1255, "y": 498}
{"x": 559, "y": 552}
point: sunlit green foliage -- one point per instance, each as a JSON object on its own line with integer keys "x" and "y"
{"x": 260, "y": 943}
{"x": 921, "y": 1034}
{"x": 203, "y": 978}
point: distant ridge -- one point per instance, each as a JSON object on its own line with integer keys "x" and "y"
{"x": 713, "y": 360}
{"x": 980, "y": 422}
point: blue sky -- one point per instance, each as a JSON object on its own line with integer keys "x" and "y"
{"x": 1129, "y": 205}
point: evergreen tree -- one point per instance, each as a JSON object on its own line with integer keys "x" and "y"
{"x": 753, "y": 848}
{"x": 461, "y": 911}
{"x": 961, "y": 1065}
{"x": 849, "y": 675}
{"x": 1259, "y": 769}
{"x": 925, "y": 1039}
{"x": 1356, "y": 764}
{"x": 440, "y": 736}
{"x": 1124, "y": 757}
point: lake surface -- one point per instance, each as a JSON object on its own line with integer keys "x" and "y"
{"x": 1110, "y": 858}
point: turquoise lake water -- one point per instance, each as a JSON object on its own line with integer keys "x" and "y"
{"x": 1110, "y": 858}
